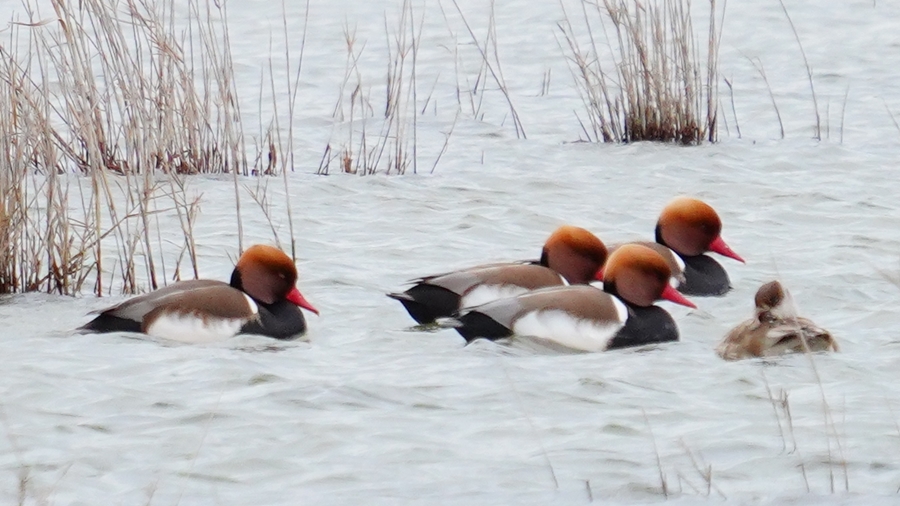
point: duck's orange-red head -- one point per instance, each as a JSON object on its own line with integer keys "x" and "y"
{"x": 640, "y": 276}
{"x": 268, "y": 275}
{"x": 575, "y": 253}
{"x": 692, "y": 227}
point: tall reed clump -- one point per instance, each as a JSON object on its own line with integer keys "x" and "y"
{"x": 641, "y": 75}
{"x": 105, "y": 109}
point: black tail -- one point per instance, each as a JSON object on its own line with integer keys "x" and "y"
{"x": 474, "y": 325}
{"x": 426, "y": 303}
{"x": 109, "y": 323}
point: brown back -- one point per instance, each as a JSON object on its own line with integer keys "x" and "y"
{"x": 529, "y": 276}
{"x": 220, "y": 301}
{"x": 580, "y": 301}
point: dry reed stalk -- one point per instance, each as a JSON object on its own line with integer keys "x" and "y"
{"x": 472, "y": 91}
{"x": 394, "y": 149}
{"x": 521, "y": 407}
{"x": 23, "y": 486}
{"x": 786, "y": 409}
{"x": 844, "y": 110}
{"x": 491, "y": 61}
{"x": 659, "y": 90}
{"x": 292, "y": 89}
{"x": 737, "y": 124}
{"x": 757, "y": 64}
{"x": 207, "y": 426}
{"x": 23, "y": 478}
{"x": 545, "y": 84}
{"x": 187, "y": 211}
{"x": 775, "y": 410}
{"x": 446, "y": 144}
{"x": 704, "y": 471}
{"x": 260, "y": 196}
{"x": 132, "y": 99}
{"x": 831, "y": 433}
{"x": 897, "y": 126}
{"x": 36, "y": 224}
{"x": 830, "y": 426}
{"x": 662, "y": 475}
{"x": 809, "y": 73}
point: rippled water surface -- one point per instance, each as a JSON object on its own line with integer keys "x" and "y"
{"x": 367, "y": 410}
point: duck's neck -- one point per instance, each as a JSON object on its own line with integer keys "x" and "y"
{"x": 545, "y": 260}
{"x": 236, "y": 281}
{"x": 610, "y": 288}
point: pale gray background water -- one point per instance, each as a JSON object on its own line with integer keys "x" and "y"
{"x": 366, "y": 411}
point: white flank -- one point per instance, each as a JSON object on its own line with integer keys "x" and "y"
{"x": 621, "y": 309}
{"x": 250, "y": 302}
{"x": 562, "y": 328}
{"x": 189, "y": 328}
{"x": 482, "y": 294}
{"x": 679, "y": 261}
{"x": 677, "y": 278}
{"x": 192, "y": 328}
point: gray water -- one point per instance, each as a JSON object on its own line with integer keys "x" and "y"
{"x": 367, "y": 410}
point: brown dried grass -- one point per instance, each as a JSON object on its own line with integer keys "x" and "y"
{"x": 105, "y": 110}
{"x": 660, "y": 89}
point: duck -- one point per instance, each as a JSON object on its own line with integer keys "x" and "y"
{"x": 570, "y": 256}
{"x": 584, "y": 317}
{"x": 687, "y": 229}
{"x": 261, "y": 298}
{"x": 775, "y": 329}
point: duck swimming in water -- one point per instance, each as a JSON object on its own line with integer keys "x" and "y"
{"x": 586, "y": 318}
{"x": 775, "y": 329}
{"x": 571, "y": 256}
{"x": 687, "y": 229}
{"x": 261, "y": 298}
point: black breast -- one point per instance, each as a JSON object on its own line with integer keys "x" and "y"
{"x": 645, "y": 325}
{"x": 704, "y": 276}
{"x": 281, "y": 320}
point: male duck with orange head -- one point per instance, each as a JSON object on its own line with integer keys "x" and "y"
{"x": 260, "y": 299}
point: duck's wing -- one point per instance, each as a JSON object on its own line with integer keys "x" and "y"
{"x": 577, "y": 317}
{"x": 135, "y": 308}
{"x": 745, "y": 340}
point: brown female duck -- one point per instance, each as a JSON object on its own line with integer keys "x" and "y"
{"x": 775, "y": 329}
